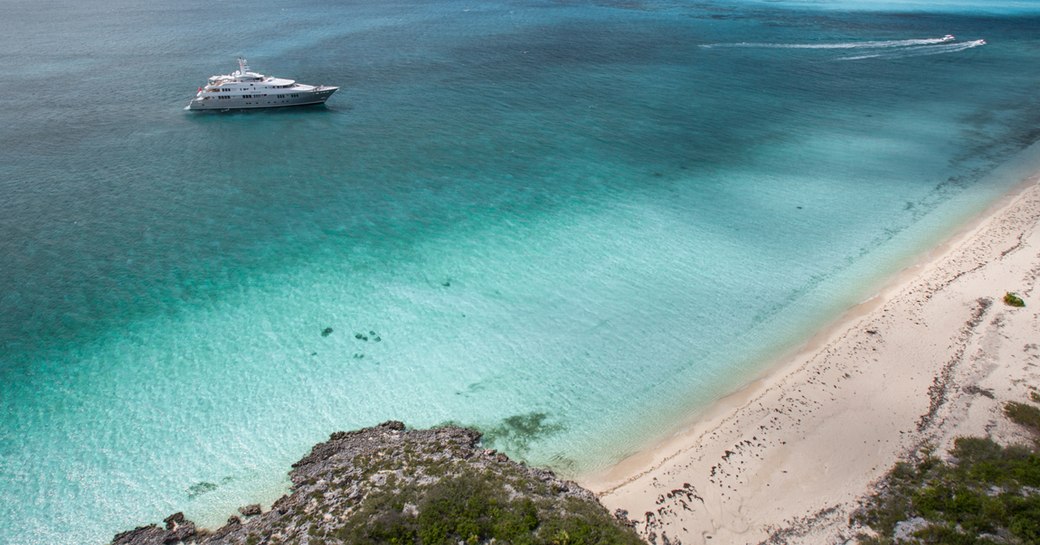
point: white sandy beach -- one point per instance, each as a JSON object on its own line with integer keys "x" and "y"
{"x": 932, "y": 357}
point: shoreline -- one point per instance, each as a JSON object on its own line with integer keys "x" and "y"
{"x": 898, "y": 370}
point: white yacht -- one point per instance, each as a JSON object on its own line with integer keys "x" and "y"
{"x": 245, "y": 89}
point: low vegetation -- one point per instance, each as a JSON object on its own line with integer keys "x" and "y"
{"x": 479, "y": 508}
{"x": 984, "y": 494}
{"x": 1012, "y": 299}
{"x": 1023, "y": 414}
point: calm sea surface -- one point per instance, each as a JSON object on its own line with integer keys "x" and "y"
{"x": 566, "y": 223}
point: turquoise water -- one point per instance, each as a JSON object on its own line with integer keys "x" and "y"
{"x": 562, "y": 222}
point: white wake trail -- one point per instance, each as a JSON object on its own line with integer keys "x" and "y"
{"x": 918, "y": 51}
{"x": 876, "y": 44}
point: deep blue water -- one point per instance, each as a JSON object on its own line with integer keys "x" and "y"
{"x": 596, "y": 214}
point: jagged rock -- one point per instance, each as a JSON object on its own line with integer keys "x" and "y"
{"x": 905, "y": 529}
{"x": 177, "y": 529}
{"x": 282, "y": 504}
{"x": 181, "y": 533}
{"x": 622, "y": 516}
{"x": 173, "y": 520}
{"x": 250, "y": 510}
{"x": 143, "y": 535}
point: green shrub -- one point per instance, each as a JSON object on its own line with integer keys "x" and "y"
{"x": 984, "y": 490}
{"x": 1012, "y": 299}
{"x": 477, "y": 507}
{"x": 1021, "y": 413}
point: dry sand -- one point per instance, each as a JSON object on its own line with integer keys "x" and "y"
{"x": 932, "y": 357}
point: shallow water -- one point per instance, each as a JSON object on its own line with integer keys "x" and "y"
{"x": 554, "y": 221}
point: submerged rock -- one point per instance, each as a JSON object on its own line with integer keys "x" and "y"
{"x": 200, "y": 488}
{"x": 326, "y": 332}
{"x": 517, "y": 432}
{"x": 343, "y": 490}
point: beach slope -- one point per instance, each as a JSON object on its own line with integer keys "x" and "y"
{"x": 932, "y": 357}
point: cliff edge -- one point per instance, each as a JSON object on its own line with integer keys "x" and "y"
{"x": 386, "y": 484}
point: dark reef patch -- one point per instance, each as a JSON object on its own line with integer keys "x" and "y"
{"x": 516, "y": 433}
{"x": 200, "y": 488}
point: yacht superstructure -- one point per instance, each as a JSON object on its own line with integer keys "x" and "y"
{"x": 244, "y": 89}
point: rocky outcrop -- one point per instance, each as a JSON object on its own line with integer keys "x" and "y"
{"x": 424, "y": 486}
{"x": 178, "y": 529}
{"x": 250, "y": 510}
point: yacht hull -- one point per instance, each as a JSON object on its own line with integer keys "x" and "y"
{"x": 270, "y": 100}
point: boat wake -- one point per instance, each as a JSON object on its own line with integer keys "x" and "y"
{"x": 917, "y": 51}
{"x": 878, "y": 44}
{"x": 875, "y": 49}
